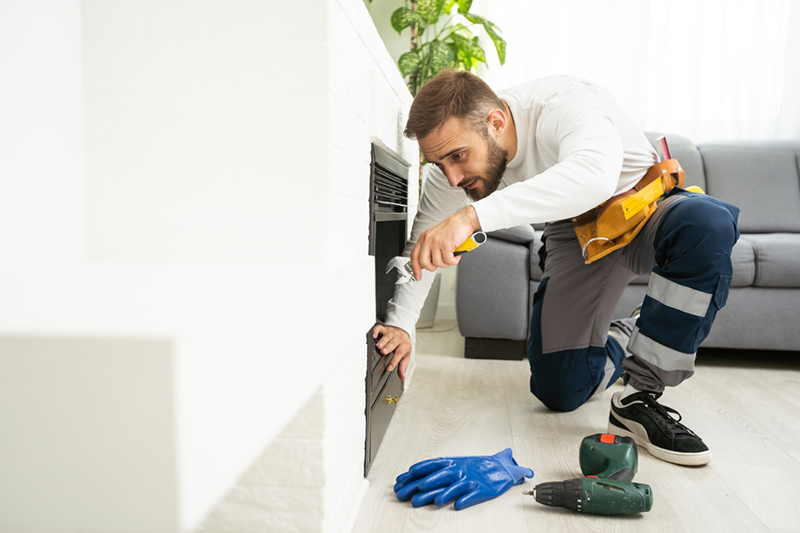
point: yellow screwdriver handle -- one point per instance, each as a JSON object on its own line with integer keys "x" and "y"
{"x": 475, "y": 240}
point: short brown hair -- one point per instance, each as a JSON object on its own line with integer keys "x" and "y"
{"x": 451, "y": 93}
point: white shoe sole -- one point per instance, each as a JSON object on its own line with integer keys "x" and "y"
{"x": 640, "y": 436}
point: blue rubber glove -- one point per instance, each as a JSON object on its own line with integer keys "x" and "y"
{"x": 468, "y": 480}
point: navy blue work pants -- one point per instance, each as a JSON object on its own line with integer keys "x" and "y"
{"x": 686, "y": 246}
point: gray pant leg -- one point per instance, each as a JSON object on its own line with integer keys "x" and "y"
{"x": 580, "y": 298}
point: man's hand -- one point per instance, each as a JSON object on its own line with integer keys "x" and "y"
{"x": 394, "y": 340}
{"x": 436, "y": 245}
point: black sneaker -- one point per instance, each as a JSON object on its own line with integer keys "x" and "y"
{"x": 651, "y": 425}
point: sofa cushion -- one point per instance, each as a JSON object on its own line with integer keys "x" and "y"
{"x": 760, "y": 179}
{"x": 777, "y": 259}
{"x": 744, "y": 266}
{"x": 687, "y": 155}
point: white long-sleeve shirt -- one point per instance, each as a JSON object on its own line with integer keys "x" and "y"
{"x": 575, "y": 149}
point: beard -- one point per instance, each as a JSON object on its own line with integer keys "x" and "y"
{"x": 490, "y": 180}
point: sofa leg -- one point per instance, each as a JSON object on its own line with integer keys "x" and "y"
{"x": 476, "y": 348}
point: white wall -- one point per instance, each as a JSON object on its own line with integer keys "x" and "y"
{"x": 198, "y": 133}
{"x": 310, "y": 479}
{"x": 225, "y": 214}
{"x": 42, "y": 182}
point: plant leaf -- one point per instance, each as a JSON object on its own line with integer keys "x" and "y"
{"x": 493, "y": 31}
{"x": 464, "y": 60}
{"x": 430, "y": 10}
{"x": 440, "y": 57}
{"x": 448, "y": 5}
{"x": 462, "y": 30}
{"x": 409, "y": 63}
{"x": 468, "y": 47}
{"x": 403, "y": 17}
{"x": 464, "y": 5}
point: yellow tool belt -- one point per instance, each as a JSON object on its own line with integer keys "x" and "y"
{"x": 614, "y": 223}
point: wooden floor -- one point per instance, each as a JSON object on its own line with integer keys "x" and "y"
{"x": 745, "y": 406}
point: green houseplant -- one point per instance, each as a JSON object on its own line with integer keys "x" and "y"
{"x": 441, "y": 39}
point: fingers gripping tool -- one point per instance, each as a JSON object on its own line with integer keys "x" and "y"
{"x": 403, "y": 264}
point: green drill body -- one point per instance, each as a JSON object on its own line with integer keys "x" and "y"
{"x": 609, "y": 462}
{"x": 596, "y": 496}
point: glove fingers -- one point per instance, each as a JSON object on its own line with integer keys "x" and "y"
{"x": 403, "y": 480}
{"x": 455, "y": 491}
{"x": 430, "y": 466}
{"x": 472, "y": 498}
{"x": 405, "y": 492}
{"x": 424, "y": 498}
{"x": 441, "y": 478}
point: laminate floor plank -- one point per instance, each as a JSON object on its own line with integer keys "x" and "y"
{"x": 421, "y": 392}
{"x": 748, "y": 414}
{"x": 700, "y": 500}
{"x": 748, "y": 462}
{"x": 767, "y": 399}
{"x": 469, "y": 416}
{"x": 529, "y": 417}
{"x": 401, "y": 446}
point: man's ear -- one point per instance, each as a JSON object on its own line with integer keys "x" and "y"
{"x": 497, "y": 122}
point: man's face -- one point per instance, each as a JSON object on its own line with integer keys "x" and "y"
{"x": 468, "y": 159}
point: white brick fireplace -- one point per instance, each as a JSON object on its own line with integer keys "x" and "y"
{"x": 184, "y": 302}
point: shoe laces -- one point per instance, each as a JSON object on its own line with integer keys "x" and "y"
{"x": 672, "y": 423}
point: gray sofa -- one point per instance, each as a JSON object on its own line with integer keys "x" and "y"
{"x": 496, "y": 283}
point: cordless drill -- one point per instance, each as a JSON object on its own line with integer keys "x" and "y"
{"x": 609, "y": 463}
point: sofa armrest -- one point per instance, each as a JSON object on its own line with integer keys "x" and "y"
{"x": 492, "y": 287}
{"x": 518, "y": 234}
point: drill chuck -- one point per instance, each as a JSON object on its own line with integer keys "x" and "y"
{"x": 567, "y": 494}
{"x": 596, "y": 496}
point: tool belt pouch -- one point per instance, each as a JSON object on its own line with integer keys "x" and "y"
{"x": 614, "y": 223}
